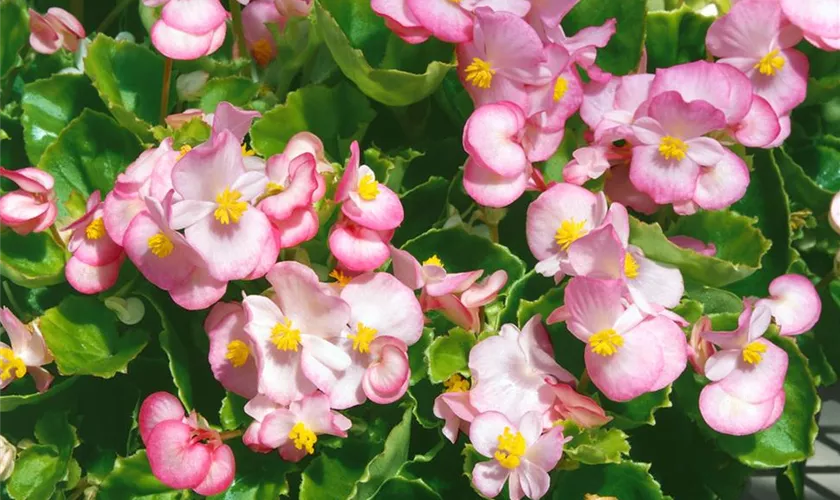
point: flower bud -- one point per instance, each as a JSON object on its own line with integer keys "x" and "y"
{"x": 129, "y": 311}
{"x": 190, "y": 85}
{"x": 7, "y": 458}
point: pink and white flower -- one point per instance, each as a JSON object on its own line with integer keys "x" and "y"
{"x": 293, "y": 8}
{"x": 574, "y": 406}
{"x": 256, "y": 17}
{"x": 358, "y": 248}
{"x": 453, "y": 22}
{"x": 818, "y": 19}
{"x": 27, "y": 354}
{"x": 32, "y": 208}
{"x": 96, "y": 260}
{"x": 188, "y": 29}
{"x": 54, "y": 30}
{"x": 365, "y": 201}
{"x": 232, "y": 354}
{"x": 292, "y": 186}
{"x": 794, "y": 304}
{"x": 454, "y": 407}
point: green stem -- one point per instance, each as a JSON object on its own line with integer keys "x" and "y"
{"x": 114, "y": 14}
{"x": 230, "y": 434}
{"x": 584, "y": 383}
{"x": 13, "y": 301}
{"x": 236, "y": 12}
{"x": 56, "y": 236}
{"x": 164, "y": 96}
{"x": 828, "y": 278}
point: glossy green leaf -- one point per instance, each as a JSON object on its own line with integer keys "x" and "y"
{"x": 818, "y": 363}
{"x": 32, "y": 261}
{"x": 626, "y": 481}
{"x": 337, "y": 115}
{"x": 449, "y": 354}
{"x": 417, "y": 360}
{"x": 622, "y": 54}
{"x": 714, "y": 300}
{"x": 384, "y": 67}
{"x": 675, "y": 37}
{"x": 819, "y": 161}
{"x": 11, "y": 402}
{"x": 799, "y": 186}
{"x": 638, "y": 411}
{"x": 790, "y": 483}
{"x": 390, "y": 168}
{"x": 39, "y": 468}
{"x": 49, "y": 105}
{"x": 87, "y": 156}
{"x": 232, "y": 413}
{"x": 595, "y": 446}
{"x": 530, "y": 286}
{"x": 82, "y": 335}
{"x": 236, "y": 90}
{"x": 388, "y": 462}
{"x": 132, "y": 478}
{"x": 400, "y": 487}
{"x": 14, "y": 34}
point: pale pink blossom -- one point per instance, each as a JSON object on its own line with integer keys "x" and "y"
{"x": 256, "y": 17}
{"x": 708, "y": 249}
{"x": 575, "y": 407}
{"x": 292, "y": 186}
{"x": 232, "y": 355}
{"x": 464, "y": 308}
{"x": 453, "y": 21}
{"x": 31, "y": 208}
{"x": 54, "y": 30}
{"x": 453, "y": 406}
{"x": 358, "y": 248}
{"x": 27, "y": 354}
{"x": 293, "y": 8}
{"x": 364, "y": 200}
{"x": 794, "y": 304}
{"x": 819, "y": 19}
{"x": 295, "y": 430}
{"x": 96, "y": 259}
{"x": 188, "y": 29}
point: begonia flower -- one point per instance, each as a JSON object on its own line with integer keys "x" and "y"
{"x": 96, "y": 260}
{"x": 453, "y": 22}
{"x": 700, "y": 349}
{"x": 188, "y": 29}
{"x": 401, "y": 20}
{"x": 256, "y": 17}
{"x": 293, "y": 8}
{"x": 365, "y": 201}
{"x": 708, "y": 249}
{"x": 295, "y": 430}
{"x": 291, "y": 189}
{"x": 27, "y": 354}
{"x": 358, "y": 248}
{"x": 54, "y": 30}
{"x": 453, "y": 406}
{"x": 31, "y": 208}
{"x": 232, "y": 354}
{"x": 834, "y": 213}
{"x": 794, "y": 304}
{"x": 575, "y": 407}
{"x": 464, "y": 308}
{"x": 258, "y": 408}
{"x": 818, "y": 19}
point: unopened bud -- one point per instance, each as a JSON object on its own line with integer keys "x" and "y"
{"x": 129, "y": 311}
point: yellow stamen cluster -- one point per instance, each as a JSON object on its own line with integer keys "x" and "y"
{"x": 479, "y": 73}
{"x": 285, "y": 337}
{"x": 770, "y": 63}
{"x": 273, "y": 188}
{"x": 631, "y": 267}
{"x": 434, "y": 260}
{"x": 672, "y": 148}
{"x": 96, "y": 229}
{"x": 237, "y": 353}
{"x": 456, "y": 383}
{"x": 340, "y": 278}
{"x": 229, "y": 208}
{"x": 363, "y": 337}
{"x": 160, "y": 245}
{"x": 246, "y": 151}
{"x": 561, "y": 86}
{"x": 186, "y": 148}
{"x": 511, "y": 448}
{"x": 568, "y": 232}
{"x": 753, "y": 351}
{"x": 262, "y": 51}
{"x": 303, "y": 437}
{"x": 606, "y": 342}
{"x": 11, "y": 366}
{"x": 368, "y": 187}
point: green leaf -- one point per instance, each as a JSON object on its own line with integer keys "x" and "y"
{"x": 388, "y": 462}
{"x": 714, "y": 300}
{"x": 622, "y": 54}
{"x": 531, "y": 286}
{"x": 82, "y": 335}
{"x": 675, "y": 37}
{"x": 390, "y": 168}
{"x": 790, "y": 439}
{"x": 790, "y": 483}
{"x": 627, "y": 481}
{"x": 236, "y": 90}
{"x": 450, "y": 354}
{"x": 384, "y": 67}
{"x": 10, "y": 402}
{"x": 595, "y": 446}
{"x": 337, "y": 115}
{"x": 49, "y": 105}
{"x": 87, "y": 156}
{"x": 32, "y": 261}
{"x": 801, "y": 188}
{"x": 819, "y": 161}
{"x": 259, "y": 476}
{"x": 818, "y": 364}
{"x": 740, "y": 246}
{"x": 14, "y": 34}
{"x": 400, "y": 487}
{"x": 462, "y": 251}
{"x": 638, "y": 411}
{"x": 129, "y": 78}
{"x": 132, "y": 478}
{"x": 39, "y": 468}
{"x": 417, "y": 360}
{"x": 825, "y": 330}
{"x": 232, "y": 413}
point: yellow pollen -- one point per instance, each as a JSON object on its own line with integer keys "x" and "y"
{"x": 560, "y": 88}
{"x": 96, "y": 229}
{"x": 262, "y": 51}
{"x": 186, "y": 148}
{"x": 511, "y": 448}
{"x": 237, "y": 353}
{"x": 340, "y": 278}
{"x": 456, "y": 383}
{"x": 769, "y": 64}
{"x": 246, "y": 151}
{"x": 363, "y": 337}
{"x": 568, "y": 232}
{"x": 434, "y": 260}
{"x": 303, "y": 437}
{"x": 273, "y": 188}
{"x": 368, "y": 187}
{"x": 606, "y": 342}
{"x": 11, "y": 366}
{"x": 285, "y": 337}
{"x": 631, "y": 267}
{"x": 229, "y": 207}
{"x": 752, "y": 352}
{"x": 672, "y": 148}
{"x": 480, "y": 74}
{"x": 160, "y": 245}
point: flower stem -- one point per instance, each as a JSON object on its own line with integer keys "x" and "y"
{"x": 57, "y": 237}
{"x": 164, "y": 96}
{"x": 115, "y": 13}
{"x": 230, "y": 434}
{"x": 238, "y": 31}
{"x": 583, "y": 384}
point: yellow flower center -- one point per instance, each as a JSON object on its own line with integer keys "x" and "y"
{"x": 568, "y": 232}
{"x": 303, "y": 437}
{"x": 511, "y": 448}
{"x": 237, "y": 353}
{"x": 246, "y": 151}
{"x": 285, "y": 337}
{"x": 262, "y": 51}
{"x": 606, "y": 342}
{"x": 11, "y": 366}
{"x": 340, "y": 278}
{"x": 229, "y": 208}
{"x": 456, "y": 383}
{"x": 769, "y": 64}
{"x": 434, "y": 260}
{"x": 561, "y": 86}
{"x": 273, "y": 188}
{"x": 672, "y": 148}
{"x": 186, "y": 148}
{"x": 96, "y": 229}
{"x": 160, "y": 245}
{"x": 368, "y": 187}
{"x": 480, "y": 74}
{"x": 363, "y": 337}
{"x": 631, "y": 267}
{"x": 752, "y": 352}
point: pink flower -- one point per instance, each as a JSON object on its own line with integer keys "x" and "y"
{"x": 700, "y": 349}
{"x": 256, "y": 17}
{"x": 454, "y": 407}
{"x": 364, "y": 200}
{"x": 748, "y": 373}
{"x": 453, "y": 22}
{"x": 627, "y": 355}
{"x": 292, "y": 185}
{"x": 184, "y": 452}
{"x": 511, "y": 371}
{"x": 31, "y": 208}
{"x": 306, "y": 142}
{"x": 708, "y": 249}
{"x": 293, "y": 8}
{"x": 188, "y": 29}
{"x": 27, "y": 354}
{"x": 401, "y": 20}
{"x": 583, "y": 45}
{"x": 358, "y": 248}
{"x": 258, "y": 408}
{"x": 834, "y": 213}
{"x": 609, "y": 107}
{"x": 96, "y": 260}
{"x": 232, "y": 354}
{"x": 291, "y": 332}
{"x": 216, "y": 212}
{"x": 385, "y": 318}
{"x": 295, "y": 430}
{"x": 574, "y": 406}
{"x": 464, "y": 308}
{"x": 818, "y": 19}
{"x": 54, "y": 30}
{"x": 518, "y": 453}
{"x": 794, "y": 304}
